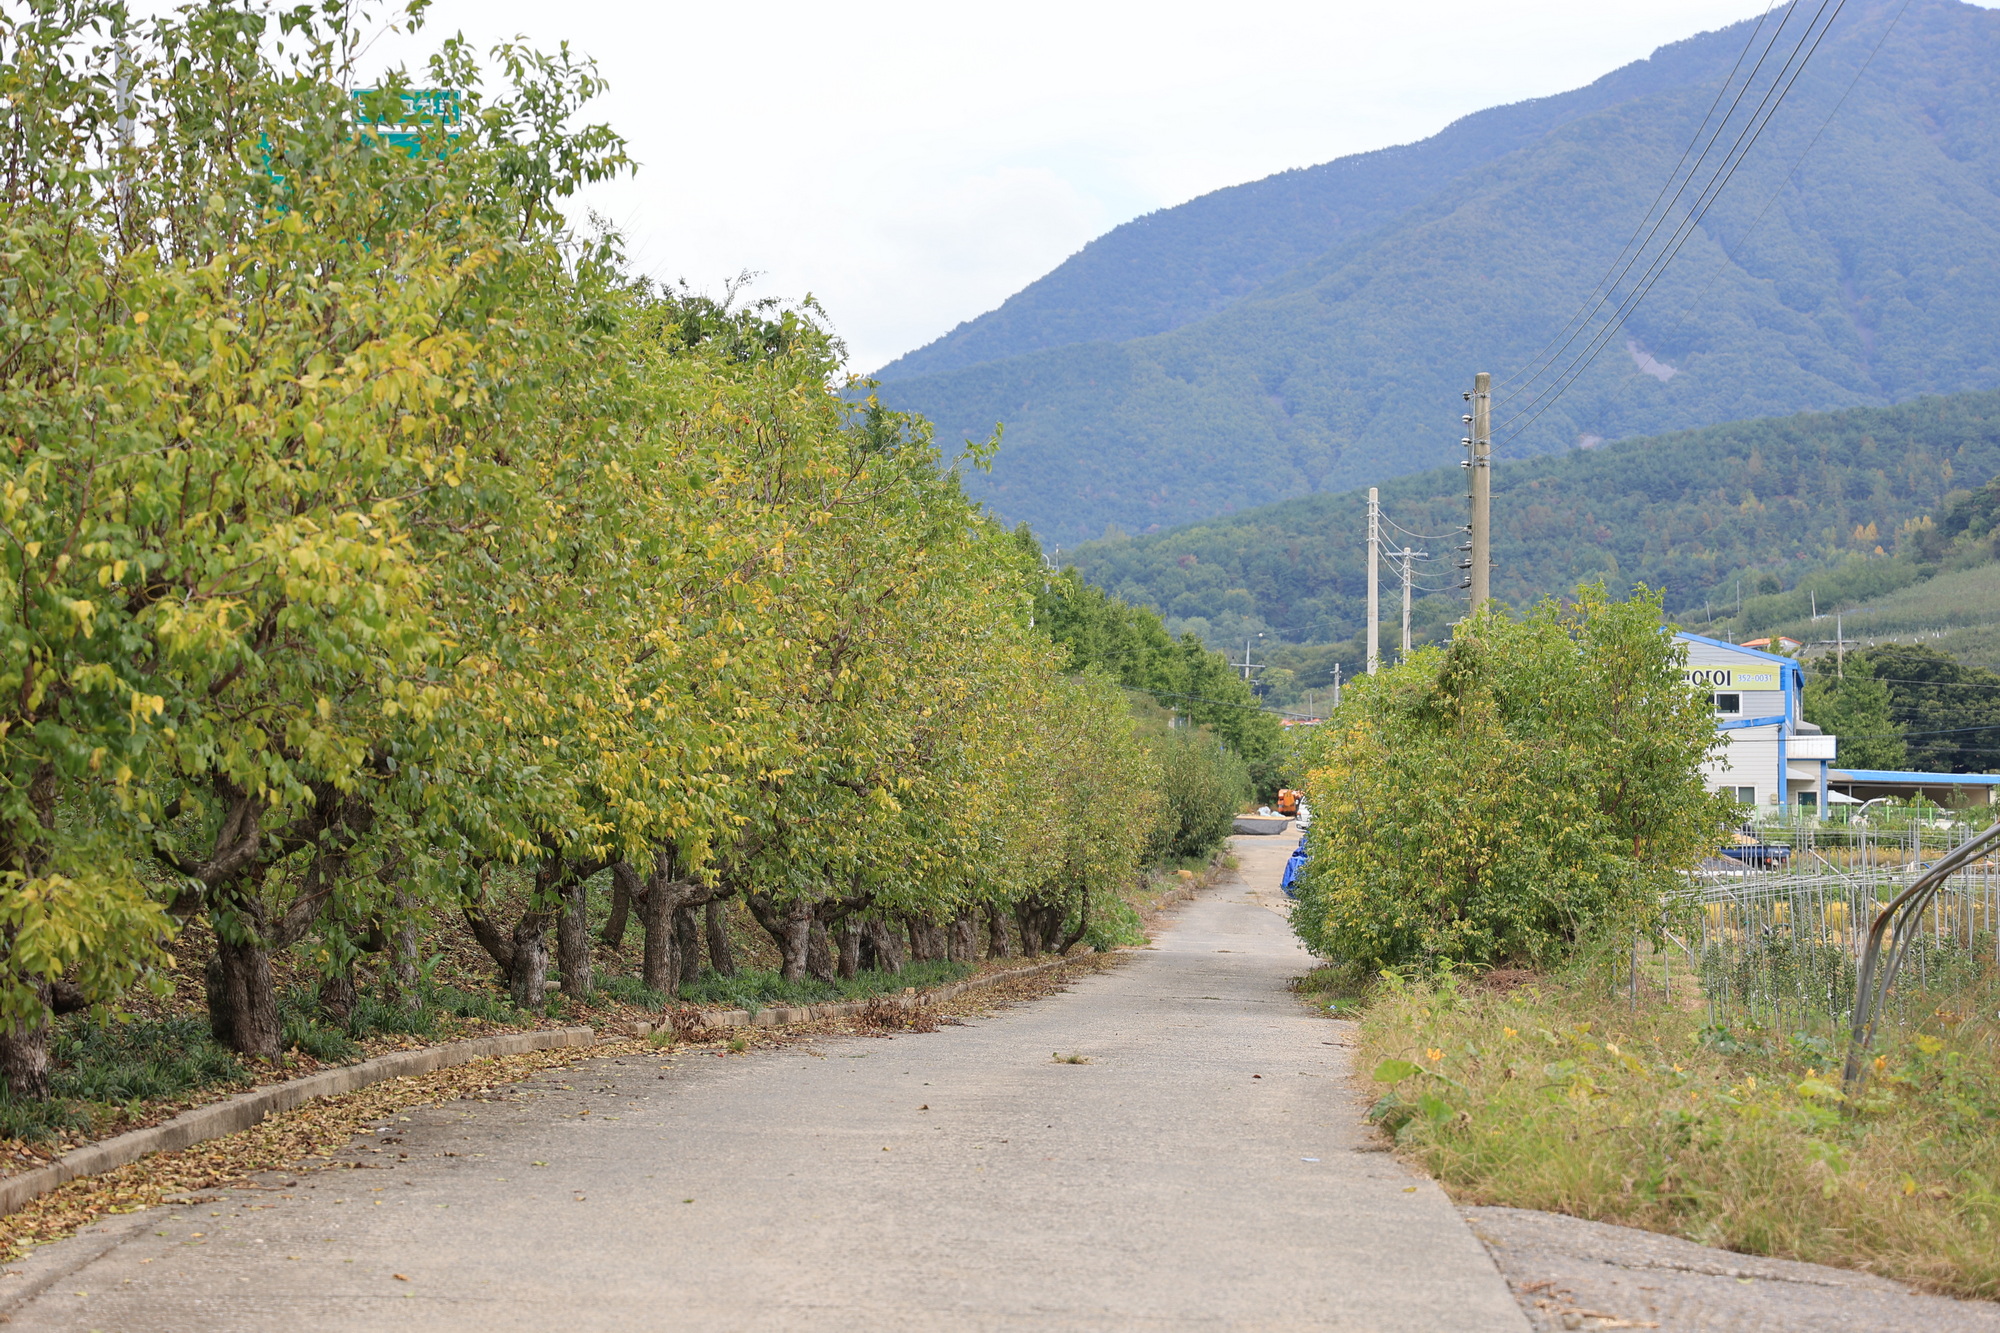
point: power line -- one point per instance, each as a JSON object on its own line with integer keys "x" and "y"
{"x": 1810, "y": 145}
{"x": 1677, "y": 240}
{"x": 1680, "y": 320}
{"x": 1585, "y": 309}
{"x": 1733, "y": 158}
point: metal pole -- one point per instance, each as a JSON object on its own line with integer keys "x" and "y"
{"x": 1374, "y": 587}
{"x": 1406, "y": 602}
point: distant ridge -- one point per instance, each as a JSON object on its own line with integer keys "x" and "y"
{"x": 1746, "y": 508}
{"x": 1310, "y": 332}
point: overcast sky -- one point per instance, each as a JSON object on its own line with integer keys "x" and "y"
{"x": 912, "y": 164}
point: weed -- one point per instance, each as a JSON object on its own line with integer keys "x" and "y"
{"x": 738, "y": 1045}
{"x": 1560, "y": 1097}
{"x": 1071, "y": 1059}
{"x": 631, "y": 991}
{"x": 129, "y": 1062}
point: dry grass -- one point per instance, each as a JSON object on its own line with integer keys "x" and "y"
{"x": 1553, "y": 1095}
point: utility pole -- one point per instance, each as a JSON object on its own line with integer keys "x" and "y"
{"x": 1246, "y": 664}
{"x": 1374, "y": 589}
{"x": 1336, "y": 684}
{"x": 1479, "y": 550}
{"x": 1407, "y": 555}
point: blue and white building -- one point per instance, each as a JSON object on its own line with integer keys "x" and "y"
{"x": 1775, "y": 757}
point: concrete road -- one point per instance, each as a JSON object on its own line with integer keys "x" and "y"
{"x": 1205, "y": 1168}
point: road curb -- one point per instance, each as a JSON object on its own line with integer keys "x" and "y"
{"x": 246, "y": 1109}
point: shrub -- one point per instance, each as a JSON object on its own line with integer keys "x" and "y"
{"x": 1499, "y": 799}
{"x": 1202, "y": 785}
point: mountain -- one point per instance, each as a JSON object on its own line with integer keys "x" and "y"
{"x": 1312, "y": 331}
{"x": 1746, "y": 526}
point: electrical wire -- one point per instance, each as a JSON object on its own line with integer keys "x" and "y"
{"x": 1760, "y": 118}
{"x": 1584, "y": 307}
{"x": 1614, "y": 274}
{"x": 1680, "y": 320}
{"x": 1767, "y": 108}
{"x": 1787, "y": 178}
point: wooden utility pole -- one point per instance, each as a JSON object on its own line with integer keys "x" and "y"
{"x": 1374, "y": 584}
{"x": 1482, "y": 489}
{"x": 1406, "y": 555}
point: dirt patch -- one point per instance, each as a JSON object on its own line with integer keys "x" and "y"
{"x": 1505, "y": 980}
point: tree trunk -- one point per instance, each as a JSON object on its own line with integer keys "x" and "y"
{"x": 883, "y": 944}
{"x": 623, "y": 880}
{"x": 24, "y": 1054}
{"x": 405, "y": 976}
{"x": 819, "y": 952}
{"x": 927, "y": 941}
{"x": 659, "y": 970}
{"x": 1077, "y": 931}
{"x": 572, "y": 928}
{"x": 687, "y": 945}
{"x": 242, "y": 995}
{"x": 848, "y": 933}
{"x": 998, "y": 944}
{"x": 720, "y": 956}
{"x": 247, "y": 999}
{"x": 530, "y": 961}
{"x": 1039, "y": 924}
{"x": 963, "y": 945}
{"x": 336, "y": 995}
{"x": 796, "y": 941}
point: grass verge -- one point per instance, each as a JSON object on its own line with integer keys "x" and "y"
{"x": 1554, "y": 1095}
{"x": 754, "y": 988}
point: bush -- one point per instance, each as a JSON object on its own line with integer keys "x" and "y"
{"x": 1500, "y": 799}
{"x": 1113, "y": 923}
{"x": 1202, "y": 785}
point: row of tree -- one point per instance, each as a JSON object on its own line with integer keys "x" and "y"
{"x": 369, "y": 536}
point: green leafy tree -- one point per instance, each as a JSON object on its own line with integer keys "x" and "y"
{"x": 1948, "y": 712}
{"x": 1202, "y": 786}
{"x": 1501, "y": 798}
{"x": 1856, "y": 708}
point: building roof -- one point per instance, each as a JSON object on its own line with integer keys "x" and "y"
{"x": 1912, "y": 779}
{"x": 1737, "y": 648}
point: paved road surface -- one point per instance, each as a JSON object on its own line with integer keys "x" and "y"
{"x": 1204, "y": 1170}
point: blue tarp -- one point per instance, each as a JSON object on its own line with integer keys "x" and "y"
{"x": 1293, "y": 866}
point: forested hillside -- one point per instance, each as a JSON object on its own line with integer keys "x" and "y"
{"x": 1865, "y": 276}
{"x": 1737, "y": 512}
